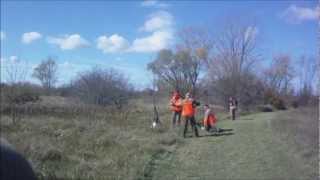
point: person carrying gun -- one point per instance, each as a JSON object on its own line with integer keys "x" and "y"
{"x": 188, "y": 112}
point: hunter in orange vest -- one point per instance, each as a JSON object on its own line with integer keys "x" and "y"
{"x": 209, "y": 120}
{"x": 176, "y": 107}
{"x": 188, "y": 112}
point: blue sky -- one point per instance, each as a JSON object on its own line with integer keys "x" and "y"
{"x": 126, "y": 35}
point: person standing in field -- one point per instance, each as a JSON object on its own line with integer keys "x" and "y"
{"x": 233, "y": 103}
{"x": 188, "y": 112}
{"x": 209, "y": 120}
{"x": 176, "y": 108}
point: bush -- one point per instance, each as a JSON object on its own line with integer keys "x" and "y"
{"x": 275, "y": 100}
{"x": 52, "y": 155}
{"x": 265, "y": 108}
{"x": 102, "y": 87}
{"x": 295, "y": 104}
{"x": 20, "y": 93}
{"x": 278, "y": 103}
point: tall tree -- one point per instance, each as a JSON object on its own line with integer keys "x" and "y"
{"x": 231, "y": 70}
{"x": 46, "y": 73}
{"x": 181, "y": 68}
{"x": 280, "y": 74}
{"x": 307, "y": 77}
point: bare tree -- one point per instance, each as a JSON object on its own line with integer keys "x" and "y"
{"x": 181, "y": 68}
{"x": 46, "y": 73}
{"x": 232, "y": 68}
{"x": 195, "y": 47}
{"x": 16, "y": 91}
{"x": 102, "y": 87}
{"x": 16, "y": 70}
{"x": 280, "y": 74}
{"x": 306, "y": 69}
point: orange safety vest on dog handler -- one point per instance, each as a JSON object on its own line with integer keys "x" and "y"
{"x": 187, "y": 108}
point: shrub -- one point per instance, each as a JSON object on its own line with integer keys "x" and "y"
{"x": 102, "y": 87}
{"x": 295, "y": 104}
{"x": 52, "y": 155}
{"x": 20, "y": 93}
{"x": 278, "y": 103}
{"x": 275, "y": 100}
{"x": 265, "y": 108}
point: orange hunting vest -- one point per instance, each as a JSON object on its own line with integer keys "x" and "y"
{"x": 176, "y": 105}
{"x": 187, "y": 108}
{"x": 211, "y": 120}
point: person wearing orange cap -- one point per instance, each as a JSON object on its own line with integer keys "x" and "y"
{"x": 188, "y": 112}
{"x": 176, "y": 108}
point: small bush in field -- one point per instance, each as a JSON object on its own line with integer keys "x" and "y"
{"x": 275, "y": 100}
{"x": 295, "y": 104}
{"x": 265, "y": 108}
{"x": 52, "y": 155}
{"x": 20, "y": 93}
{"x": 278, "y": 103}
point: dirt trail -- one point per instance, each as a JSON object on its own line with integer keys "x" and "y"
{"x": 251, "y": 152}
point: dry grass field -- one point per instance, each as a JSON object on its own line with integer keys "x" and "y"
{"x": 105, "y": 144}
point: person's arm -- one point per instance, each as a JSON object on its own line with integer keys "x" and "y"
{"x": 206, "y": 114}
{"x": 171, "y": 102}
{"x": 179, "y": 102}
{"x": 195, "y": 103}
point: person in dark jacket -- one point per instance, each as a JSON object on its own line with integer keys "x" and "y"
{"x": 233, "y": 104}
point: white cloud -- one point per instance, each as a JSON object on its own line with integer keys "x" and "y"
{"x": 251, "y": 33}
{"x": 3, "y": 60}
{"x": 9, "y": 60}
{"x": 114, "y": 43}
{"x": 27, "y": 38}
{"x": 154, "y": 3}
{"x": 155, "y": 42}
{"x": 295, "y": 14}
{"x": 13, "y": 59}
{"x": 67, "y": 65}
{"x": 158, "y": 21}
{"x": 2, "y": 35}
{"x": 69, "y": 42}
{"x": 161, "y": 25}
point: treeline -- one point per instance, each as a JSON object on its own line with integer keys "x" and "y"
{"x": 94, "y": 88}
{"x": 213, "y": 66}
{"x": 216, "y": 66}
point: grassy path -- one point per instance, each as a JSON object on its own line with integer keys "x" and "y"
{"x": 252, "y": 152}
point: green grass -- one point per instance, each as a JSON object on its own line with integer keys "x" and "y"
{"x": 254, "y": 151}
{"x": 108, "y": 147}
{"x": 99, "y": 148}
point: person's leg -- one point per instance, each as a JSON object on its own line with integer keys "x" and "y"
{"x": 185, "y": 126}
{"x": 179, "y": 118}
{"x": 208, "y": 127}
{"x": 214, "y": 128}
{"x": 233, "y": 114}
{"x": 194, "y": 126}
{"x": 174, "y": 119}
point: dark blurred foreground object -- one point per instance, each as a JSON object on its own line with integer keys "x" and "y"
{"x": 14, "y": 166}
